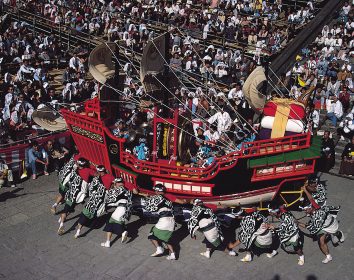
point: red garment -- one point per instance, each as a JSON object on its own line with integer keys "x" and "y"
{"x": 314, "y": 204}
{"x": 107, "y": 180}
{"x": 170, "y": 197}
{"x": 86, "y": 173}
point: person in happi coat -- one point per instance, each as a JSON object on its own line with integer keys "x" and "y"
{"x": 313, "y": 189}
{"x": 79, "y": 179}
{"x": 255, "y": 235}
{"x": 64, "y": 177}
{"x": 161, "y": 233}
{"x": 121, "y": 198}
{"x": 323, "y": 225}
{"x": 95, "y": 205}
{"x": 287, "y": 230}
{"x": 203, "y": 219}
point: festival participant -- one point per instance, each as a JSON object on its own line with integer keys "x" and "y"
{"x": 323, "y": 224}
{"x": 64, "y": 177}
{"x": 315, "y": 190}
{"x": 120, "y": 197}
{"x": 94, "y": 207}
{"x": 255, "y": 235}
{"x": 78, "y": 183}
{"x": 203, "y": 219}
{"x": 287, "y": 230}
{"x": 161, "y": 203}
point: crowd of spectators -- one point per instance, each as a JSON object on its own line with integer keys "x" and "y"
{"x": 325, "y": 68}
{"x": 263, "y": 26}
{"x": 26, "y": 60}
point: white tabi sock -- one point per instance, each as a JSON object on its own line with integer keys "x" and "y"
{"x": 61, "y": 224}
{"x": 55, "y": 205}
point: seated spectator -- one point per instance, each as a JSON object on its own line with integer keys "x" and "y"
{"x": 347, "y": 164}
{"x": 6, "y": 176}
{"x": 120, "y": 130}
{"x": 37, "y": 158}
{"x": 327, "y": 152}
{"x": 334, "y": 109}
{"x": 346, "y": 127}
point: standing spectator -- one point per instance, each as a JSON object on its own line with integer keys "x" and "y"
{"x": 347, "y": 164}
{"x": 56, "y": 155}
{"x": 327, "y": 152}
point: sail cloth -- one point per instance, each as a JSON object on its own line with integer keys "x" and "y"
{"x": 152, "y": 64}
{"x": 100, "y": 62}
{"x": 252, "y": 87}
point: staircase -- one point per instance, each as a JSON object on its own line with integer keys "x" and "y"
{"x": 339, "y": 144}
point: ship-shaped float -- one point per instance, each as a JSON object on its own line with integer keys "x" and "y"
{"x": 272, "y": 167}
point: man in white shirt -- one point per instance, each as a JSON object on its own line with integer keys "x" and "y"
{"x": 223, "y": 121}
{"x": 74, "y": 63}
{"x": 334, "y": 109}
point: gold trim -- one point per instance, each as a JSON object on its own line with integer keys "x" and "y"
{"x": 88, "y": 134}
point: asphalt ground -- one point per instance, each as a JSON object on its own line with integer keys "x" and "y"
{"x": 31, "y": 249}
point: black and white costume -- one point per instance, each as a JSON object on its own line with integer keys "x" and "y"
{"x": 203, "y": 218}
{"x": 122, "y": 199}
{"x": 288, "y": 231}
{"x": 95, "y": 205}
{"x": 324, "y": 221}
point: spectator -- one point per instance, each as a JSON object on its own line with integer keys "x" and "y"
{"x": 334, "y": 109}
{"x": 346, "y": 127}
{"x": 6, "y": 176}
{"x": 57, "y": 155}
{"x": 347, "y": 164}
{"x": 327, "y": 152}
{"x": 37, "y": 158}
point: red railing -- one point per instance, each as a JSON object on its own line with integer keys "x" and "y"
{"x": 277, "y": 145}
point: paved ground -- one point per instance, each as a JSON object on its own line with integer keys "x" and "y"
{"x": 31, "y": 249}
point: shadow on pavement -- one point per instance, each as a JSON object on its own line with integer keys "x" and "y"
{"x": 11, "y": 194}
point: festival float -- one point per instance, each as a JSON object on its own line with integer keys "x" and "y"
{"x": 252, "y": 172}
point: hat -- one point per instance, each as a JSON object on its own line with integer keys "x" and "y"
{"x": 118, "y": 180}
{"x": 273, "y": 207}
{"x": 197, "y": 201}
{"x": 100, "y": 168}
{"x": 237, "y": 211}
{"x": 159, "y": 188}
{"x": 81, "y": 162}
{"x": 119, "y": 121}
{"x": 313, "y": 179}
